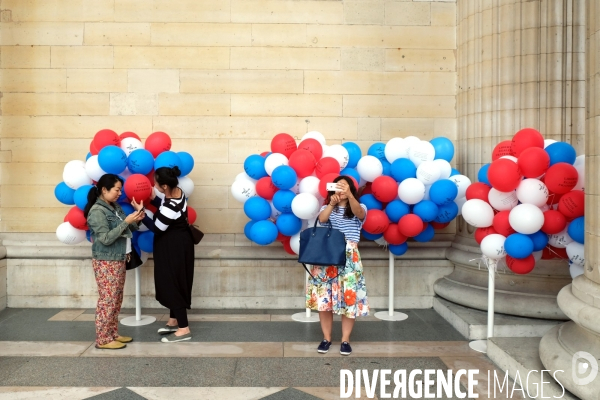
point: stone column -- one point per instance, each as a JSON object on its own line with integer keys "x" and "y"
{"x": 580, "y": 301}
{"x": 520, "y": 64}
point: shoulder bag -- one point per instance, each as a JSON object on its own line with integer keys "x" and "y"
{"x": 323, "y": 246}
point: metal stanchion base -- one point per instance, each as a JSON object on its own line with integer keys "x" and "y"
{"x": 385, "y": 315}
{"x": 144, "y": 320}
{"x": 301, "y": 317}
{"x": 479, "y": 345}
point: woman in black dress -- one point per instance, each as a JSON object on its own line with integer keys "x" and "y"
{"x": 173, "y": 254}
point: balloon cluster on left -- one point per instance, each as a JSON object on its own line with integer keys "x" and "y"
{"x": 135, "y": 162}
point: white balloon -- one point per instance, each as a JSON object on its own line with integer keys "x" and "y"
{"x": 242, "y": 190}
{"x": 478, "y": 213}
{"x": 339, "y": 152}
{"x": 428, "y": 172}
{"x": 460, "y": 203}
{"x": 537, "y": 255}
{"x": 411, "y": 191}
{"x": 159, "y": 194}
{"x": 273, "y": 161}
{"x": 74, "y": 164}
{"x": 310, "y": 184}
{"x": 560, "y": 239}
{"x": 511, "y": 158}
{"x": 275, "y": 213}
{"x": 526, "y": 218}
{"x": 92, "y": 168}
{"x": 579, "y": 165}
{"x": 394, "y": 149}
{"x": 381, "y": 241}
{"x": 125, "y": 174}
{"x": 545, "y": 207}
{"x": 575, "y": 253}
{"x": 318, "y": 136}
{"x": 421, "y": 152}
{"x": 426, "y": 195}
{"x": 492, "y": 246}
{"x": 411, "y": 141}
{"x": 548, "y": 142}
{"x": 149, "y": 214}
{"x": 532, "y": 191}
{"x": 575, "y": 270}
{"x": 68, "y": 234}
{"x": 444, "y": 167}
{"x": 369, "y": 168}
{"x": 144, "y": 256}
{"x": 305, "y": 206}
{"x": 130, "y": 144}
{"x": 296, "y": 187}
{"x": 187, "y": 185}
{"x": 243, "y": 175}
{"x": 462, "y": 183}
{"x": 75, "y": 175}
{"x": 502, "y": 201}
{"x": 295, "y": 243}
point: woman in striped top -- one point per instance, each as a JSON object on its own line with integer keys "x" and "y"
{"x": 341, "y": 291}
{"x": 173, "y": 254}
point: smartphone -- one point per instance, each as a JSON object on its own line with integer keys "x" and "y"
{"x": 332, "y": 187}
{"x": 143, "y": 209}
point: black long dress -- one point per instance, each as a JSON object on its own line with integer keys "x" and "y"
{"x": 173, "y": 255}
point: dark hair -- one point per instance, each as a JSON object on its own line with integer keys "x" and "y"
{"x": 167, "y": 176}
{"x": 348, "y": 211}
{"x": 106, "y": 181}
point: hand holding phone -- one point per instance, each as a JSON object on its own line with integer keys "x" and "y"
{"x": 332, "y": 187}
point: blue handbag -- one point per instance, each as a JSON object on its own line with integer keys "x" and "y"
{"x": 322, "y": 246}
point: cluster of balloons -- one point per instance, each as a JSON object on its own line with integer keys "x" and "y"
{"x": 135, "y": 162}
{"x": 408, "y": 186}
{"x": 529, "y": 203}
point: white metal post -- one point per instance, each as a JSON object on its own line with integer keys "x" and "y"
{"x": 390, "y": 314}
{"x": 138, "y": 319}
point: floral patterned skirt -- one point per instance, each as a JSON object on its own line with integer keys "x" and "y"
{"x": 345, "y": 294}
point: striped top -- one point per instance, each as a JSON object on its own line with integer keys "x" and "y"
{"x": 349, "y": 227}
{"x": 169, "y": 211}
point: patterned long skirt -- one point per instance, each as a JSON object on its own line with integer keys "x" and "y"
{"x": 345, "y": 294}
{"x": 110, "y": 277}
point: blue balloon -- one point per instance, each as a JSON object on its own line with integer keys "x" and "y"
{"x": 371, "y": 236}
{"x": 454, "y": 172}
{"x": 64, "y": 194}
{"x": 254, "y": 166}
{"x": 146, "y": 241}
{"x": 248, "y": 229}
{"x": 371, "y": 202}
{"x": 80, "y": 196}
{"x": 284, "y": 177}
{"x": 377, "y": 150}
{"x": 403, "y": 168}
{"x": 398, "y": 249}
{"x": 87, "y": 157}
{"x": 387, "y": 167}
{"x": 127, "y": 208}
{"x": 444, "y": 149}
{"x": 351, "y": 172}
{"x": 576, "y": 230}
{"x": 396, "y": 209}
{"x": 539, "y": 240}
{"x": 187, "y": 162}
{"x": 443, "y": 191}
{"x": 425, "y": 236}
{"x": 446, "y": 212}
{"x": 140, "y": 161}
{"x": 136, "y": 236}
{"x": 561, "y": 152}
{"x": 288, "y": 224}
{"x": 354, "y": 154}
{"x": 167, "y": 159}
{"x": 88, "y": 236}
{"x": 264, "y": 232}
{"x": 427, "y": 210}
{"x": 112, "y": 159}
{"x": 482, "y": 175}
{"x": 282, "y": 200}
{"x": 257, "y": 208}
{"x": 518, "y": 245}
{"x": 123, "y": 197}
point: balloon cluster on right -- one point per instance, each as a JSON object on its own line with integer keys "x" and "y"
{"x": 528, "y": 203}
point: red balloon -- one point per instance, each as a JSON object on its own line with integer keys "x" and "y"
{"x": 327, "y": 178}
{"x": 129, "y": 134}
{"x": 561, "y": 178}
{"x": 525, "y": 139}
{"x": 265, "y": 188}
{"x": 504, "y": 175}
{"x": 93, "y": 149}
{"x": 287, "y": 247}
{"x": 521, "y": 266}
{"x": 410, "y": 225}
{"x": 150, "y": 176}
{"x": 501, "y": 224}
{"x": 284, "y": 144}
{"x": 425, "y": 225}
{"x": 313, "y": 146}
{"x": 439, "y": 225}
{"x": 376, "y": 221}
{"x": 533, "y": 162}
{"x": 478, "y": 190}
{"x": 303, "y": 162}
{"x": 551, "y": 252}
{"x": 192, "y": 215}
{"x": 265, "y": 153}
{"x": 481, "y": 233}
{"x": 158, "y": 142}
{"x": 502, "y": 149}
{"x": 138, "y": 188}
{"x": 367, "y": 189}
{"x": 150, "y": 207}
{"x": 572, "y": 204}
{"x": 393, "y": 236}
{"x": 76, "y": 218}
{"x": 327, "y": 165}
{"x": 385, "y": 188}
{"x": 554, "y": 222}
{"x": 106, "y": 137}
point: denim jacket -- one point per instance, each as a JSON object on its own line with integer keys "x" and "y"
{"x": 109, "y": 233}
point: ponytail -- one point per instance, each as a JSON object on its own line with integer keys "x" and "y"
{"x": 106, "y": 181}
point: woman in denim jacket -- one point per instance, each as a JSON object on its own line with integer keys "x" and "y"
{"x": 111, "y": 244}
